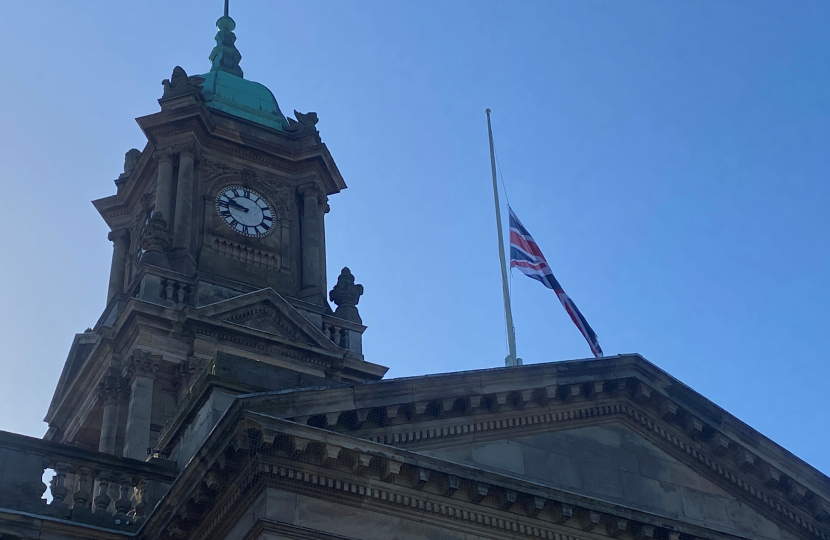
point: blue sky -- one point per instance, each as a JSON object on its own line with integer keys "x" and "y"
{"x": 670, "y": 158}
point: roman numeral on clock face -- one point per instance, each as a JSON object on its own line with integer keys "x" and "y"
{"x": 245, "y": 211}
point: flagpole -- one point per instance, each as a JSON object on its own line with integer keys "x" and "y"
{"x": 511, "y": 359}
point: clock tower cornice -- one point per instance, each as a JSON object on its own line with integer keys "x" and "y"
{"x": 261, "y": 147}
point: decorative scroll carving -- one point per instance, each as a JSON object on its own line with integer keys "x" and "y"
{"x": 142, "y": 363}
{"x": 164, "y": 154}
{"x": 155, "y": 237}
{"x": 312, "y": 190}
{"x": 190, "y": 148}
{"x": 120, "y": 235}
{"x": 187, "y": 371}
{"x": 112, "y": 390}
{"x": 211, "y": 169}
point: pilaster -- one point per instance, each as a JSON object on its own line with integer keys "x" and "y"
{"x": 182, "y": 223}
{"x": 310, "y": 236}
{"x": 164, "y": 182}
{"x": 323, "y": 209}
{"x": 111, "y": 391}
{"x": 140, "y": 370}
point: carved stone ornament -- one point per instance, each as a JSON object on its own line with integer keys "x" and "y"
{"x": 112, "y": 390}
{"x": 188, "y": 370}
{"x": 312, "y": 190}
{"x": 145, "y": 201}
{"x": 120, "y": 235}
{"x": 211, "y": 169}
{"x": 130, "y": 159}
{"x": 304, "y": 122}
{"x": 179, "y": 84}
{"x": 346, "y": 294}
{"x": 141, "y": 363}
{"x": 155, "y": 238}
{"x": 165, "y": 154}
{"x": 187, "y": 148}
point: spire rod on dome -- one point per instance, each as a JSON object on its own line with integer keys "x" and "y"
{"x": 225, "y": 56}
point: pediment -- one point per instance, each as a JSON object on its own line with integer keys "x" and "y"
{"x": 82, "y": 345}
{"x": 614, "y": 463}
{"x": 485, "y": 417}
{"x": 266, "y": 311}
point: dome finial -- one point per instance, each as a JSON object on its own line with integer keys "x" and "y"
{"x": 225, "y": 56}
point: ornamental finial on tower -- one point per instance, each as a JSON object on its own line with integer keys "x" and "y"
{"x": 346, "y": 294}
{"x": 225, "y": 56}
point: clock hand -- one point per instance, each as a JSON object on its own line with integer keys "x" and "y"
{"x": 236, "y": 204}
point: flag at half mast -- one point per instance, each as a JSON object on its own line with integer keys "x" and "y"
{"x": 527, "y": 257}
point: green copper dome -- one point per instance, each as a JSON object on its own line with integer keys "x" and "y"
{"x": 225, "y": 90}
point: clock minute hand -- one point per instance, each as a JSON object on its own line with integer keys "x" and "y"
{"x": 236, "y": 204}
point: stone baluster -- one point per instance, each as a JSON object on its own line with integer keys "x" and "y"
{"x": 120, "y": 247}
{"x": 141, "y": 502}
{"x": 184, "y": 197}
{"x": 164, "y": 182}
{"x": 125, "y": 491}
{"x": 110, "y": 392}
{"x": 169, "y": 289}
{"x": 310, "y": 236}
{"x": 102, "y": 500}
{"x": 140, "y": 369}
{"x": 343, "y": 338}
{"x": 83, "y": 488}
{"x": 57, "y": 486}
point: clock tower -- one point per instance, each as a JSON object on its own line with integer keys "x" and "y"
{"x": 218, "y": 268}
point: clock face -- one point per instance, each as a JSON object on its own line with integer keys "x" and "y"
{"x": 245, "y": 211}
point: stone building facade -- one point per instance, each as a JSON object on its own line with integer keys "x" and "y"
{"x": 219, "y": 396}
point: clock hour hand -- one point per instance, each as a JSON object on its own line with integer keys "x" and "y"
{"x": 236, "y": 204}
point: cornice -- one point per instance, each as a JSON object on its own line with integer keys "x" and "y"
{"x": 29, "y": 525}
{"x": 316, "y": 160}
{"x": 249, "y": 452}
{"x": 426, "y": 412}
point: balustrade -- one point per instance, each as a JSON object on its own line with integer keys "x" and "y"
{"x": 337, "y": 334}
{"x": 87, "y": 486}
{"x": 174, "y": 291}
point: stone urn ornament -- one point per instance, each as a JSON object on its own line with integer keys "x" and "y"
{"x": 346, "y": 294}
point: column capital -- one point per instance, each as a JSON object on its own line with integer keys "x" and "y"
{"x": 187, "y": 149}
{"x": 164, "y": 154}
{"x": 312, "y": 190}
{"x": 120, "y": 235}
{"x": 111, "y": 390}
{"x": 141, "y": 363}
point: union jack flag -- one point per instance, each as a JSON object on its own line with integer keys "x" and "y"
{"x": 527, "y": 257}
